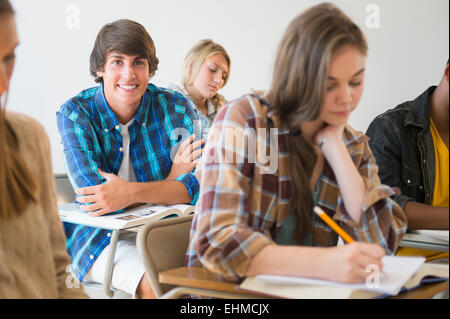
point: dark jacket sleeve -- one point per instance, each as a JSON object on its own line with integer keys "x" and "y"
{"x": 387, "y": 149}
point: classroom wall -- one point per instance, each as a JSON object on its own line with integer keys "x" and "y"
{"x": 408, "y": 47}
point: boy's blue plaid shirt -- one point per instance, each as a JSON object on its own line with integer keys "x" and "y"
{"x": 91, "y": 139}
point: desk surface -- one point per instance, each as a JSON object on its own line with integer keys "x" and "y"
{"x": 197, "y": 277}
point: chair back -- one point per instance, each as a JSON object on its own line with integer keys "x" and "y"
{"x": 162, "y": 246}
{"x": 64, "y": 190}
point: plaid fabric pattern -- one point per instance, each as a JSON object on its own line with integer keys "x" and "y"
{"x": 241, "y": 207}
{"x": 91, "y": 139}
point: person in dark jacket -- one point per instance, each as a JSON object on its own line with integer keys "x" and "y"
{"x": 410, "y": 144}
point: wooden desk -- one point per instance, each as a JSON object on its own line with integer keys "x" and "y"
{"x": 197, "y": 277}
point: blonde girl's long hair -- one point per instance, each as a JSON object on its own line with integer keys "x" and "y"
{"x": 18, "y": 187}
{"x": 194, "y": 60}
{"x": 298, "y": 90}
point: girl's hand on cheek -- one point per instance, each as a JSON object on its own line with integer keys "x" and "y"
{"x": 328, "y": 133}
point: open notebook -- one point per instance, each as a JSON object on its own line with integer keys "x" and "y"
{"x": 398, "y": 273}
{"x": 72, "y": 213}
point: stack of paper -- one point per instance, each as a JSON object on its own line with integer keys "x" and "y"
{"x": 438, "y": 235}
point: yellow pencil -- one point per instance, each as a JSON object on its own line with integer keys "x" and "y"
{"x": 319, "y": 211}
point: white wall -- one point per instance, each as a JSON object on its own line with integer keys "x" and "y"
{"x": 407, "y": 52}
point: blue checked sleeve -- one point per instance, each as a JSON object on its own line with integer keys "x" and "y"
{"x": 190, "y": 181}
{"x": 80, "y": 151}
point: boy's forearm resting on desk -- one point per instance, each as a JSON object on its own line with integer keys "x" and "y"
{"x": 421, "y": 216}
{"x": 116, "y": 194}
{"x": 161, "y": 192}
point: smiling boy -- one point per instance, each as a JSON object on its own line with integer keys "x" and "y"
{"x": 117, "y": 140}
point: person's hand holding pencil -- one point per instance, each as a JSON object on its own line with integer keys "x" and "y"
{"x": 349, "y": 263}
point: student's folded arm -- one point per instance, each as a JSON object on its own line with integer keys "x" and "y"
{"x": 79, "y": 150}
{"x": 224, "y": 239}
{"x": 383, "y": 221}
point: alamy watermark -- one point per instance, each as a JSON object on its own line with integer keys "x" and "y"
{"x": 373, "y": 279}
{"x": 373, "y": 18}
{"x": 73, "y": 16}
{"x": 236, "y": 145}
{"x": 71, "y": 279}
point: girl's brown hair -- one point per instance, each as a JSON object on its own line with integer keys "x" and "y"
{"x": 18, "y": 187}
{"x": 5, "y": 7}
{"x": 298, "y": 90}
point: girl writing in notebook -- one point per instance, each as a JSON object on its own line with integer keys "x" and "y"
{"x": 253, "y": 219}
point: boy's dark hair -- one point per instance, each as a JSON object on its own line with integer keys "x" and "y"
{"x": 126, "y": 37}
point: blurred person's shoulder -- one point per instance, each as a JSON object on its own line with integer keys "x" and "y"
{"x": 29, "y": 132}
{"x": 24, "y": 123}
